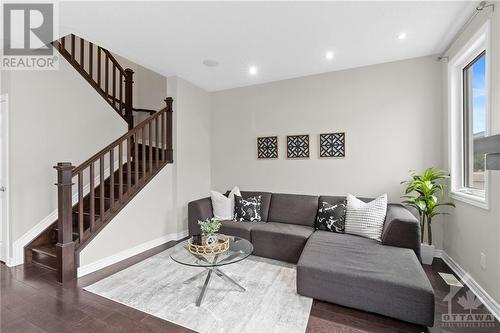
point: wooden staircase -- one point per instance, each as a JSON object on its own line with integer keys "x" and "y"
{"x": 93, "y": 193}
{"x": 103, "y": 72}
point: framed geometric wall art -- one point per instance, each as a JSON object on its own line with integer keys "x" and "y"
{"x": 332, "y": 145}
{"x": 297, "y": 146}
{"x": 267, "y": 147}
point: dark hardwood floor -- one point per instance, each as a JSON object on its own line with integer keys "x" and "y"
{"x": 31, "y": 301}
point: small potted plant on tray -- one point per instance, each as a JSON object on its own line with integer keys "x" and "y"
{"x": 424, "y": 192}
{"x": 209, "y": 228}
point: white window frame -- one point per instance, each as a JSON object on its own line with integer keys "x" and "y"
{"x": 479, "y": 42}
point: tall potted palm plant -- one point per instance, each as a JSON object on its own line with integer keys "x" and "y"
{"x": 424, "y": 192}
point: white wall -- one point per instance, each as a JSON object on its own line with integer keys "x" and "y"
{"x": 192, "y": 110}
{"x": 159, "y": 212}
{"x": 149, "y": 88}
{"x": 148, "y": 217}
{"x": 470, "y": 230}
{"x": 55, "y": 116}
{"x": 389, "y": 112}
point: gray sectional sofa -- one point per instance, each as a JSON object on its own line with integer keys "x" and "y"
{"x": 380, "y": 277}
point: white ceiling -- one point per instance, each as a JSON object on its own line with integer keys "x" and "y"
{"x": 283, "y": 39}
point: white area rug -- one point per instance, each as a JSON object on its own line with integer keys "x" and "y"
{"x": 269, "y": 304}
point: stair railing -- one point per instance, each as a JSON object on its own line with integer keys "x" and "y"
{"x": 101, "y": 69}
{"x": 121, "y": 158}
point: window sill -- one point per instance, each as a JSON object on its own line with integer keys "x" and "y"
{"x": 471, "y": 199}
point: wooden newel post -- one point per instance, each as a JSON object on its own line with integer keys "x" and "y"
{"x": 129, "y": 81}
{"x": 65, "y": 247}
{"x": 170, "y": 135}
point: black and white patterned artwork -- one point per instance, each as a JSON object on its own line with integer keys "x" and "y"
{"x": 297, "y": 146}
{"x": 267, "y": 147}
{"x": 332, "y": 145}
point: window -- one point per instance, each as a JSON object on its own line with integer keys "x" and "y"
{"x": 468, "y": 82}
{"x": 474, "y": 121}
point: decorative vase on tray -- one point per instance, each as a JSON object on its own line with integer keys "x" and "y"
{"x": 209, "y": 229}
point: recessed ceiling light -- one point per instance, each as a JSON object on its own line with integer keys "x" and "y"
{"x": 402, "y": 36}
{"x": 252, "y": 70}
{"x": 210, "y": 63}
{"x": 329, "y": 55}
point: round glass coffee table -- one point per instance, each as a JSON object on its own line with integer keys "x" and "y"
{"x": 239, "y": 249}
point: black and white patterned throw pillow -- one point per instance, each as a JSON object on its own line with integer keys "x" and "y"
{"x": 248, "y": 209}
{"x": 331, "y": 217}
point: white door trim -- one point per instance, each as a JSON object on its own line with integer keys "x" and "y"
{"x": 5, "y": 254}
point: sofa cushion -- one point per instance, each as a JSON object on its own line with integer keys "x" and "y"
{"x": 279, "y": 241}
{"x": 265, "y": 201}
{"x": 360, "y": 273}
{"x": 238, "y": 229}
{"x": 293, "y": 209}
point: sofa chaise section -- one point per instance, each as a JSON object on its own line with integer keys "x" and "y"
{"x": 362, "y": 273}
{"x": 401, "y": 227}
{"x": 280, "y": 241}
{"x": 290, "y": 223}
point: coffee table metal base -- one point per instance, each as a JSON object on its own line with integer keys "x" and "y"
{"x": 211, "y": 271}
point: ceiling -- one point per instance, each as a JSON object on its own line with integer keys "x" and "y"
{"x": 282, "y": 39}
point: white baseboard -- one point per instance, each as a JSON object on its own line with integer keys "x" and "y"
{"x": 469, "y": 281}
{"x": 183, "y": 234}
{"x": 113, "y": 259}
{"x": 18, "y": 245}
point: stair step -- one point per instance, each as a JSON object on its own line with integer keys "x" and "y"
{"x": 47, "y": 249}
{"x": 125, "y": 172}
{"x": 97, "y": 202}
{"x": 43, "y": 265}
{"x": 44, "y": 255}
{"x": 86, "y": 215}
{"x": 107, "y": 186}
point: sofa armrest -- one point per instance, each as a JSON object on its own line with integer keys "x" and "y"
{"x": 198, "y": 210}
{"x": 401, "y": 228}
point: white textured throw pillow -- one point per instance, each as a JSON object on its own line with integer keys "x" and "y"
{"x": 365, "y": 219}
{"x": 222, "y": 206}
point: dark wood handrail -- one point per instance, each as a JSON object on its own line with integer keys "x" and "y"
{"x": 137, "y": 165}
{"x": 117, "y": 142}
{"x": 110, "y": 76}
{"x": 150, "y": 111}
{"x": 144, "y": 110}
{"x": 114, "y": 61}
{"x": 116, "y": 173}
